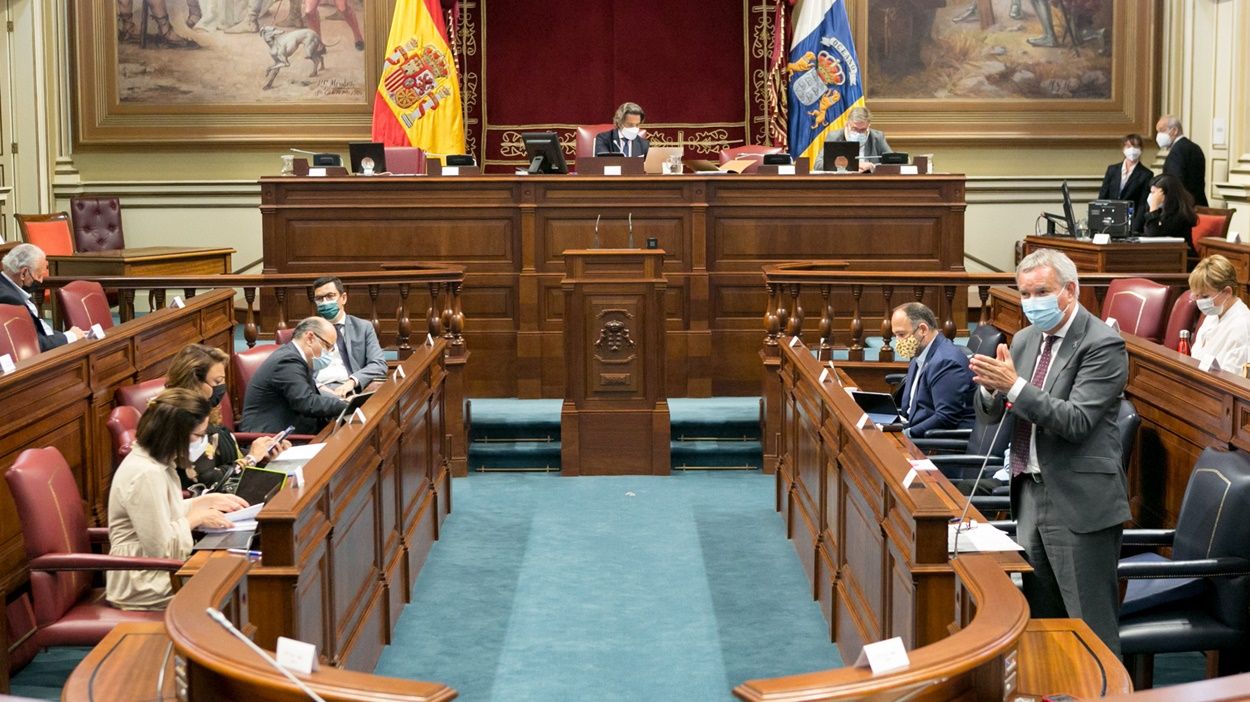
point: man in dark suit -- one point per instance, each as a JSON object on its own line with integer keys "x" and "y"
{"x": 283, "y": 393}
{"x": 1068, "y": 493}
{"x": 627, "y": 138}
{"x": 358, "y": 359}
{"x": 24, "y": 269}
{"x": 1185, "y": 158}
{"x": 937, "y": 393}
{"x": 1129, "y": 180}
{"x": 872, "y": 143}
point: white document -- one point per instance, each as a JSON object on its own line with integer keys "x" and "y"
{"x": 883, "y": 656}
{"x": 300, "y": 453}
{"x": 246, "y": 525}
{"x": 977, "y": 537}
{"x": 1161, "y": 239}
{"x": 247, "y": 514}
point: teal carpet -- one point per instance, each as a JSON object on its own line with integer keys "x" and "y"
{"x": 44, "y": 677}
{"x": 609, "y": 588}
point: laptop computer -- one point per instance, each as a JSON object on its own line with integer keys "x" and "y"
{"x": 879, "y": 406}
{"x": 359, "y": 150}
{"x": 842, "y": 156}
{"x": 354, "y": 402}
{"x": 657, "y": 155}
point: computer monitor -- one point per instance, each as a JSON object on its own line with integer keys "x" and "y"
{"x": 842, "y": 156}
{"x": 544, "y": 152}
{"x": 1067, "y": 220}
{"x": 360, "y": 150}
{"x": 1110, "y": 217}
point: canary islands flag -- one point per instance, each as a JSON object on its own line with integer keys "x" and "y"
{"x": 825, "y": 82}
{"x": 418, "y": 98}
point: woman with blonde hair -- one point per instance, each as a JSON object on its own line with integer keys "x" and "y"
{"x": 1224, "y": 334}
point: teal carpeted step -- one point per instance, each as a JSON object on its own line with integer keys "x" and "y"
{"x": 513, "y": 456}
{"x": 44, "y": 677}
{"x": 716, "y": 454}
{"x": 717, "y": 418}
{"x": 495, "y": 419}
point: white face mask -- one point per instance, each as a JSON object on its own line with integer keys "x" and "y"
{"x": 1132, "y": 153}
{"x": 1163, "y": 139}
{"x": 198, "y": 447}
{"x": 1208, "y": 306}
{"x": 629, "y": 132}
{"x": 852, "y": 135}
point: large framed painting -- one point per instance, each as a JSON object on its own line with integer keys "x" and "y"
{"x": 1010, "y": 70}
{"x": 179, "y": 71}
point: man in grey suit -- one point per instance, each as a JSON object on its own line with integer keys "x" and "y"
{"x": 1068, "y": 493}
{"x": 359, "y": 359}
{"x": 872, "y": 143}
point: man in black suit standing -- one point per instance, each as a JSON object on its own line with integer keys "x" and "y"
{"x": 1185, "y": 158}
{"x": 1129, "y": 180}
{"x": 283, "y": 393}
{"x": 627, "y": 138}
{"x": 25, "y": 267}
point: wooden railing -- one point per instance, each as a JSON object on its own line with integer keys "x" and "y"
{"x": 444, "y": 315}
{"x": 789, "y": 283}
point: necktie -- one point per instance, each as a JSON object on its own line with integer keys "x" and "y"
{"x": 342, "y": 344}
{"x": 1024, "y": 428}
{"x": 625, "y": 142}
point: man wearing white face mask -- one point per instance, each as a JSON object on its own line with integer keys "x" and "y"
{"x": 1062, "y": 379}
{"x": 283, "y": 393}
{"x": 872, "y": 143}
{"x": 627, "y": 138}
{"x": 1224, "y": 334}
{"x": 1129, "y": 180}
{"x": 1185, "y": 158}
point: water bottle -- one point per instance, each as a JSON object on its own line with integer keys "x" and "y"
{"x": 1182, "y": 345}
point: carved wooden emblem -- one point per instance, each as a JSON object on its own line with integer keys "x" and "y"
{"x": 614, "y": 336}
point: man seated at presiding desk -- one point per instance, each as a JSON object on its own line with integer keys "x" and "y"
{"x": 627, "y": 138}
{"x": 24, "y": 269}
{"x": 937, "y": 393}
{"x": 283, "y": 393}
{"x": 358, "y": 359}
{"x": 1224, "y": 334}
{"x": 872, "y": 143}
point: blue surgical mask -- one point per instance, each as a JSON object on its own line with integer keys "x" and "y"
{"x": 328, "y": 310}
{"x": 1043, "y": 311}
{"x": 322, "y": 362}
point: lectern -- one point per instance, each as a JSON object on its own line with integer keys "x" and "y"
{"x": 615, "y": 415}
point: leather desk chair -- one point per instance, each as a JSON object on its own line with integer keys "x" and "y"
{"x": 1199, "y": 600}
{"x": 18, "y": 337}
{"x": 585, "y": 139}
{"x": 97, "y": 223}
{"x": 1138, "y": 305}
{"x": 123, "y": 425}
{"x": 1184, "y": 315}
{"x": 245, "y": 364}
{"x": 405, "y": 160}
{"x": 283, "y": 336}
{"x": 138, "y": 396}
{"x": 83, "y": 303}
{"x": 69, "y": 610}
{"x": 753, "y": 151}
{"x": 50, "y": 232}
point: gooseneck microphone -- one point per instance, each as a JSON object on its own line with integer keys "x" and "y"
{"x": 631, "y": 230}
{"x": 216, "y": 615}
{"x": 968, "y": 504}
{"x": 597, "y": 218}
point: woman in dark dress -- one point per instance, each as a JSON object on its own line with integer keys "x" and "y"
{"x": 1171, "y": 210}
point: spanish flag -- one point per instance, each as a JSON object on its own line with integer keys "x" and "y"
{"x": 418, "y": 99}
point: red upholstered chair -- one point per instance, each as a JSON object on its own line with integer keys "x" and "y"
{"x": 18, "y": 337}
{"x": 84, "y": 303}
{"x": 753, "y": 151}
{"x": 586, "y": 138}
{"x": 69, "y": 611}
{"x": 49, "y": 232}
{"x": 1138, "y": 305}
{"x": 1184, "y": 316}
{"x": 97, "y": 223}
{"x": 1212, "y": 221}
{"x": 245, "y": 364}
{"x": 405, "y": 160}
{"x": 283, "y": 336}
{"x": 123, "y": 424}
{"x": 138, "y": 395}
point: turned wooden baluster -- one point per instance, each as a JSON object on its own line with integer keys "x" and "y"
{"x": 887, "y": 332}
{"x": 158, "y": 294}
{"x": 772, "y": 323}
{"x": 280, "y": 294}
{"x": 126, "y": 305}
{"x": 433, "y": 320}
{"x": 375, "y": 290}
{"x": 857, "y": 325}
{"x": 795, "y": 326}
{"x": 457, "y": 320}
{"x": 826, "y": 323}
{"x": 948, "y": 324}
{"x": 983, "y": 292}
{"x": 188, "y": 293}
{"x": 405, "y": 324}
{"x": 783, "y": 314}
{"x": 249, "y": 317}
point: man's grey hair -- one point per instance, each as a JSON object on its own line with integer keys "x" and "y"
{"x": 628, "y": 108}
{"x": 1172, "y": 122}
{"x": 918, "y": 312}
{"x": 22, "y": 256}
{"x": 859, "y": 113}
{"x": 317, "y": 325}
{"x": 1064, "y": 268}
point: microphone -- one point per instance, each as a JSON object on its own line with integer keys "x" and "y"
{"x": 631, "y": 230}
{"x": 216, "y": 615}
{"x": 597, "y": 217}
{"x": 968, "y": 504}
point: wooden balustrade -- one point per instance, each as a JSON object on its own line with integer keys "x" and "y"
{"x": 294, "y": 291}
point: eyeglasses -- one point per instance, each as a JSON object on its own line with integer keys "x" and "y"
{"x": 328, "y": 297}
{"x": 328, "y": 345}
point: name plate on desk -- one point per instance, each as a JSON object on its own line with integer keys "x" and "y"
{"x": 451, "y": 171}
{"x": 611, "y": 170}
{"x": 6, "y": 364}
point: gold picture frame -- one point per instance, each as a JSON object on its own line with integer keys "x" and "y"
{"x": 168, "y": 92}
{"x": 1131, "y": 40}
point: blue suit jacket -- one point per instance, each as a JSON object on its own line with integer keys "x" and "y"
{"x": 605, "y": 143}
{"x": 944, "y": 393}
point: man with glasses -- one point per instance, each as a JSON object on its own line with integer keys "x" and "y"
{"x": 283, "y": 391}
{"x": 358, "y": 359}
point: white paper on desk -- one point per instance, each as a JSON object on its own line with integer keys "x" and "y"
{"x": 246, "y": 525}
{"x": 917, "y": 464}
{"x": 300, "y": 453}
{"x": 978, "y": 537}
{"x": 6, "y": 364}
{"x": 1161, "y": 239}
{"x": 247, "y": 514}
{"x": 883, "y": 656}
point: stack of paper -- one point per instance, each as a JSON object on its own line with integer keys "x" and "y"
{"x": 976, "y": 537}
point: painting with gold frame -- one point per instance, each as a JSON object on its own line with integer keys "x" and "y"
{"x": 1009, "y": 70}
{"x": 230, "y": 71}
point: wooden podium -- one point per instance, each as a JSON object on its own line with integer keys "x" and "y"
{"x": 615, "y": 415}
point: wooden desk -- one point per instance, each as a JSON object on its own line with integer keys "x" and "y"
{"x": 126, "y": 665}
{"x": 1119, "y": 257}
{"x": 509, "y": 232}
{"x": 1064, "y": 655}
{"x": 143, "y": 261}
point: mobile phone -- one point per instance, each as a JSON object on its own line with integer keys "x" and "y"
{"x": 277, "y": 439}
